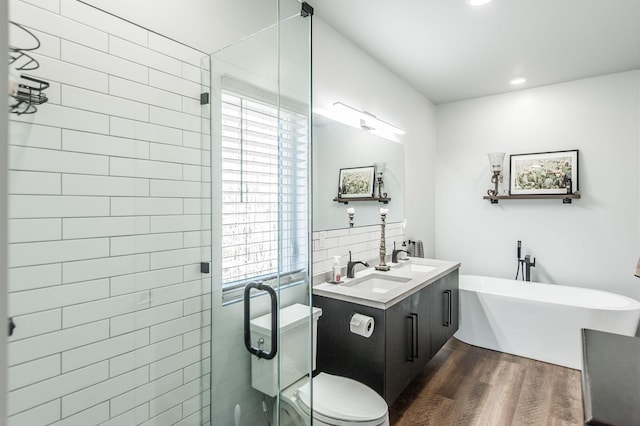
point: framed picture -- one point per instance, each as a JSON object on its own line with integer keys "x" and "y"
{"x": 543, "y": 173}
{"x": 356, "y": 182}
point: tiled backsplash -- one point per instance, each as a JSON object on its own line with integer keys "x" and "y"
{"x": 363, "y": 241}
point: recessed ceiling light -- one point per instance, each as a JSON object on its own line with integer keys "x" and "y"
{"x": 478, "y": 2}
{"x": 518, "y": 80}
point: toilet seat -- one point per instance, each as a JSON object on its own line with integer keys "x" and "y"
{"x": 342, "y": 401}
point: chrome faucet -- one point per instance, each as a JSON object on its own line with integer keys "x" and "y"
{"x": 351, "y": 264}
{"x": 394, "y": 253}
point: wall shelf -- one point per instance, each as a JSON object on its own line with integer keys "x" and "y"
{"x": 566, "y": 198}
{"x": 384, "y": 200}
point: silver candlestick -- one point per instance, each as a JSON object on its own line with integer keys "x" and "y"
{"x": 383, "y": 249}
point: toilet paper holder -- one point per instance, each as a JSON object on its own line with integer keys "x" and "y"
{"x": 362, "y": 325}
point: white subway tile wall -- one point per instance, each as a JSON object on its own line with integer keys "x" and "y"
{"x": 106, "y": 227}
{"x": 363, "y": 241}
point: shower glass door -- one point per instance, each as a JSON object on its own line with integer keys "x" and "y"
{"x": 260, "y": 198}
{"x": 294, "y": 195}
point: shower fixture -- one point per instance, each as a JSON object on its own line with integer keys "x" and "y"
{"x": 26, "y": 91}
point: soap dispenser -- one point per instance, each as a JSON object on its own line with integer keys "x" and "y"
{"x": 403, "y": 254}
{"x": 336, "y": 277}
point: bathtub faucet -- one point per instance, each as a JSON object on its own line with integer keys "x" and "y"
{"x": 528, "y": 264}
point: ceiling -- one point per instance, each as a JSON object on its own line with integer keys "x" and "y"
{"x": 446, "y": 49}
{"x": 450, "y": 51}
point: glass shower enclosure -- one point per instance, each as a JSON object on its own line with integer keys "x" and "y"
{"x": 106, "y": 175}
{"x": 260, "y": 202}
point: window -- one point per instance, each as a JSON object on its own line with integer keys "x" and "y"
{"x": 264, "y": 192}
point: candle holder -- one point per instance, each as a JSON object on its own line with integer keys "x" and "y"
{"x": 495, "y": 165}
{"x": 379, "y": 167}
{"x": 383, "y": 249}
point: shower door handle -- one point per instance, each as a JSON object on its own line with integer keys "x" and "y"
{"x": 446, "y": 321}
{"x": 274, "y": 320}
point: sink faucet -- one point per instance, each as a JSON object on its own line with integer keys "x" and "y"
{"x": 394, "y": 253}
{"x": 351, "y": 264}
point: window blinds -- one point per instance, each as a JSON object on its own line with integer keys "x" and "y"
{"x": 264, "y": 190}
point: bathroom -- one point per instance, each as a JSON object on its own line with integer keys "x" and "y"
{"x": 593, "y": 242}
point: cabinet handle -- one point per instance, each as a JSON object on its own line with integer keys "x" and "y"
{"x": 446, "y": 321}
{"x": 412, "y": 347}
{"x": 410, "y": 339}
{"x": 415, "y": 335}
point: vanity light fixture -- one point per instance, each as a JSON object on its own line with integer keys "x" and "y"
{"x": 517, "y": 81}
{"x": 366, "y": 120}
{"x": 478, "y": 2}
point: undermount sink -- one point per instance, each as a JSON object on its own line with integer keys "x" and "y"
{"x": 383, "y": 289}
{"x": 415, "y": 267}
{"x": 377, "y": 283}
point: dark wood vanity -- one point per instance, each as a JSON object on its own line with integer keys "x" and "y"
{"x": 407, "y": 334}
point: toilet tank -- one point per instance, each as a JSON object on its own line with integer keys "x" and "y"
{"x": 293, "y": 348}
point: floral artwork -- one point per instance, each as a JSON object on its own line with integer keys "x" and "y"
{"x": 544, "y": 173}
{"x": 356, "y": 182}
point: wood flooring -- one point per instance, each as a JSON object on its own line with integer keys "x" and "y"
{"x": 467, "y": 385}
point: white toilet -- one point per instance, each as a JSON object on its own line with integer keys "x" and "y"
{"x": 337, "y": 401}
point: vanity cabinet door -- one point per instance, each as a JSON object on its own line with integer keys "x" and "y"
{"x": 444, "y": 310}
{"x": 421, "y": 309}
{"x": 399, "y": 348}
{"x": 408, "y": 342}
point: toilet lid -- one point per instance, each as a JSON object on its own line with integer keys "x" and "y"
{"x": 342, "y": 398}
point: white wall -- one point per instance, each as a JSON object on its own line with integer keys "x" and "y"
{"x": 343, "y": 72}
{"x": 593, "y": 242}
{"x": 105, "y": 219}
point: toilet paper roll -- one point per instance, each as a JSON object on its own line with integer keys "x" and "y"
{"x": 361, "y": 325}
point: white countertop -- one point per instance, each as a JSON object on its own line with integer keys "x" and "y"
{"x": 416, "y": 280}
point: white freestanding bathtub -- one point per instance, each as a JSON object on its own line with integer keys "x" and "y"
{"x": 539, "y": 321}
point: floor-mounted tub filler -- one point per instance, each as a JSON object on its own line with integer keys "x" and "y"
{"x": 539, "y": 321}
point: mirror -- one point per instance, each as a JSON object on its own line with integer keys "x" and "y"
{"x": 337, "y": 146}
